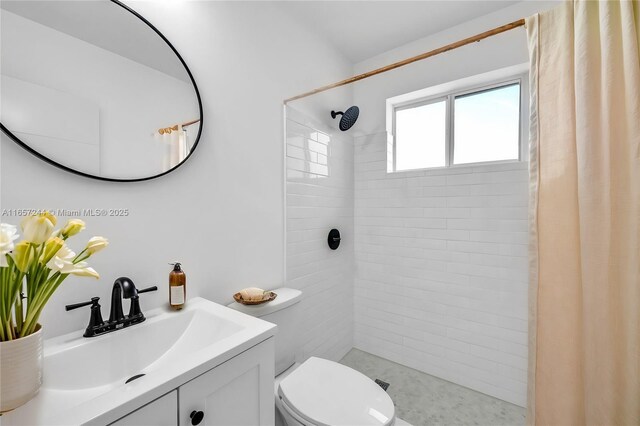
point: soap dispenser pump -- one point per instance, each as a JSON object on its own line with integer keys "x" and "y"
{"x": 177, "y": 287}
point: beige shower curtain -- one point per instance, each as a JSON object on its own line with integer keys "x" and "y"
{"x": 585, "y": 213}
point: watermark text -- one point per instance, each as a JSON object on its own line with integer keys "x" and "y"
{"x": 85, "y": 212}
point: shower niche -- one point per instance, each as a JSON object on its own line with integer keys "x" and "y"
{"x": 95, "y": 89}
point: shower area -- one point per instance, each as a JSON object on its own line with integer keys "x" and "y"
{"x": 432, "y": 268}
{"x": 431, "y": 272}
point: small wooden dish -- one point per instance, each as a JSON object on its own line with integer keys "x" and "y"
{"x": 268, "y": 297}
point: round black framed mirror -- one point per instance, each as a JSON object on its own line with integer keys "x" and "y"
{"x": 95, "y": 89}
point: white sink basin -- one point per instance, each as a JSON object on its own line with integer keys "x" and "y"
{"x": 84, "y": 378}
{"x": 95, "y": 362}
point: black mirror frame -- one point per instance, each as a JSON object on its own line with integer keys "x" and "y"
{"x": 77, "y": 172}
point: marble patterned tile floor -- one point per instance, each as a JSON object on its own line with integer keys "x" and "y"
{"x": 425, "y": 400}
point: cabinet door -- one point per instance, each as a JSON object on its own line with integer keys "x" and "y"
{"x": 161, "y": 412}
{"x": 238, "y": 392}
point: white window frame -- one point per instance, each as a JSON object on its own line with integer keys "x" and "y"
{"x": 448, "y": 92}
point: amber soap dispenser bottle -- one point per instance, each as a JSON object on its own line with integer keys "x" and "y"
{"x": 177, "y": 287}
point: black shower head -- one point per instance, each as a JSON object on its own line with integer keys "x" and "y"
{"x": 348, "y": 119}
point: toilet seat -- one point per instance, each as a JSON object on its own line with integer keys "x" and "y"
{"x": 325, "y": 393}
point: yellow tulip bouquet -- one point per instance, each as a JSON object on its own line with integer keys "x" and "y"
{"x": 33, "y": 269}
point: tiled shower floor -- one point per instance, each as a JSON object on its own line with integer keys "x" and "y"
{"x": 422, "y": 399}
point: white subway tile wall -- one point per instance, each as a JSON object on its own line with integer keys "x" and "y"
{"x": 319, "y": 194}
{"x": 441, "y": 269}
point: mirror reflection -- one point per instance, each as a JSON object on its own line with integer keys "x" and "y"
{"x": 90, "y": 86}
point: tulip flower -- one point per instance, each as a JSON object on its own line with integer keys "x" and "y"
{"x": 7, "y": 236}
{"x": 51, "y": 248}
{"x": 72, "y": 227}
{"x": 22, "y": 255}
{"x": 82, "y": 269}
{"x": 38, "y": 228}
{"x": 96, "y": 244}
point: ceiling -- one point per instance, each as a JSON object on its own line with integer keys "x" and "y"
{"x": 106, "y": 25}
{"x": 359, "y": 29}
{"x": 363, "y": 29}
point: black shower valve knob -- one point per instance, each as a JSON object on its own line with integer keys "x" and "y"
{"x": 334, "y": 239}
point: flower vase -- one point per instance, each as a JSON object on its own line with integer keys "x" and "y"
{"x": 20, "y": 370}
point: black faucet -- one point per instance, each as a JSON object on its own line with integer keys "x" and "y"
{"x": 123, "y": 287}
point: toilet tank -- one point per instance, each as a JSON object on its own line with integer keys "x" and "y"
{"x": 283, "y": 312}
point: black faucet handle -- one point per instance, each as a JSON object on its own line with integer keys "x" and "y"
{"x": 93, "y": 302}
{"x": 96, "y": 323}
{"x": 135, "y": 313}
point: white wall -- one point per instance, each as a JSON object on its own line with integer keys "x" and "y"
{"x": 441, "y": 255}
{"x": 222, "y": 212}
{"x": 320, "y": 198}
{"x": 441, "y": 270}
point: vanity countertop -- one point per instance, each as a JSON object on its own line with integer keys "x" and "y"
{"x": 84, "y": 378}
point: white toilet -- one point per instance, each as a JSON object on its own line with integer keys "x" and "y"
{"x": 317, "y": 392}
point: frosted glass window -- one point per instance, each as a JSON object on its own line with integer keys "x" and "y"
{"x": 421, "y": 136}
{"x": 487, "y": 125}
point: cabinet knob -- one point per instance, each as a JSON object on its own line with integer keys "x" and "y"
{"x": 196, "y": 417}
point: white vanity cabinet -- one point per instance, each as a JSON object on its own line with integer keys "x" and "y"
{"x": 236, "y": 392}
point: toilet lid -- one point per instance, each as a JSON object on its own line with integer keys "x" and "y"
{"x": 327, "y": 393}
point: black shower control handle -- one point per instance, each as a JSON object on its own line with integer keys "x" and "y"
{"x": 334, "y": 239}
